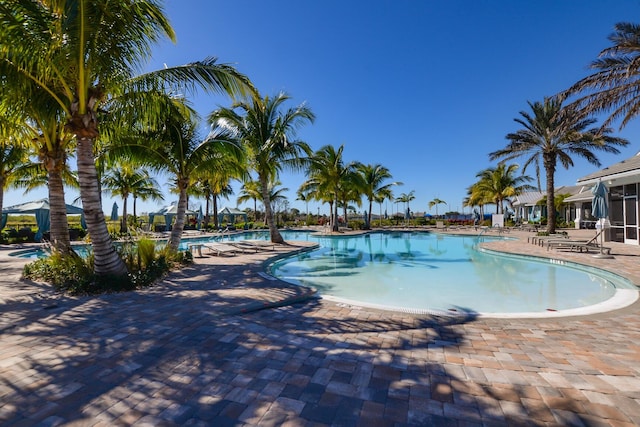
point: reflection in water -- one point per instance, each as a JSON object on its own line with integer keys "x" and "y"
{"x": 429, "y": 271}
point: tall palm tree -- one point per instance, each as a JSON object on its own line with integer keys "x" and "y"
{"x": 328, "y": 175}
{"x": 32, "y": 119}
{"x": 495, "y": 185}
{"x": 435, "y": 202}
{"x": 374, "y": 186}
{"x": 615, "y": 82}
{"x": 268, "y": 135}
{"x": 82, "y": 53}
{"x": 555, "y": 133}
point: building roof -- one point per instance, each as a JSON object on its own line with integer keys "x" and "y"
{"x": 582, "y": 196}
{"x": 625, "y": 168}
{"x": 528, "y": 198}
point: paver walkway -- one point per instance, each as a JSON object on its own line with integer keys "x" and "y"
{"x": 193, "y": 351}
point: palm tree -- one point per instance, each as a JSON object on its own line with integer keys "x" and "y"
{"x": 82, "y": 53}
{"x": 250, "y": 190}
{"x": 406, "y": 198}
{"x": 146, "y": 188}
{"x": 435, "y": 202}
{"x": 614, "y": 84}
{"x": 125, "y": 179}
{"x": 12, "y": 159}
{"x": 304, "y": 195}
{"x": 328, "y": 175}
{"x": 374, "y": 177}
{"x": 177, "y": 149}
{"x": 495, "y": 185}
{"x": 268, "y": 136}
{"x": 553, "y": 133}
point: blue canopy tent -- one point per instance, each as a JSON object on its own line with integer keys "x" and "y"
{"x": 232, "y": 213}
{"x": 169, "y": 212}
{"x": 41, "y": 209}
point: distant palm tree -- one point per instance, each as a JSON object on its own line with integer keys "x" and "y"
{"x": 328, "y": 176}
{"x": 615, "y": 83}
{"x": 406, "y": 198}
{"x": 495, "y": 185}
{"x": 373, "y": 177}
{"x": 268, "y": 135}
{"x": 435, "y": 202}
{"x": 250, "y": 190}
{"x": 127, "y": 179}
{"x": 305, "y": 196}
{"x": 553, "y": 133}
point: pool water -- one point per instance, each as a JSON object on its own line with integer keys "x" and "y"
{"x": 83, "y": 250}
{"x": 429, "y": 271}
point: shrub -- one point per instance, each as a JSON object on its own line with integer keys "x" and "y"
{"x": 73, "y": 274}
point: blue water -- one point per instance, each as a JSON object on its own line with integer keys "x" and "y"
{"x": 83, "y": 250}
{"x": 428, "y": 271}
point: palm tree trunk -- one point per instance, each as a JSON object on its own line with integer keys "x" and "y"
{"x": 59, "y": 230}
{"x": 549, "y": 165}
{"x": 276, "y": 237}
{"x": 216, "y": 223}
{"x": 135, "y": 217}
{"x": 334, "y": 224}
{"x": 123, "y": 224}
{"x": 106, "y": 258}
{"x": 370, "y": 216}
{"x": 207, "y": 217}
{"x": 178, "y": 227}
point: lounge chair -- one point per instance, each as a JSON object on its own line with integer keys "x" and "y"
{"x": 253, "y": 245}
{"x": 582, "y": 244}
{"x": 220, "y": 249}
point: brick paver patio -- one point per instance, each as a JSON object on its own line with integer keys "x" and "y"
{"x": 199, "y": 349}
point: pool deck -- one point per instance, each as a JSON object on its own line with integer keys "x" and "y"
{"x": 219, "y": 344}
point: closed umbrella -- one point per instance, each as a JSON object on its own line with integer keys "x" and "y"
{"x": 114, "y": 212}
{"x": 200, "y": 217}
{"x": 600, "y": 210}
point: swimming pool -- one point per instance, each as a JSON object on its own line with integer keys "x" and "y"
{"x": 425, "y": 272}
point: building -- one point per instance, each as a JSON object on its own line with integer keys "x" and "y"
{"x": 622, "y": 180}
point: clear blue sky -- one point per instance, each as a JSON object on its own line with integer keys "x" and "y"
{"x": 425, "y": 88}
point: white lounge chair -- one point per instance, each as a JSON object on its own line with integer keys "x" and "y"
{"x": 220, "y": 249}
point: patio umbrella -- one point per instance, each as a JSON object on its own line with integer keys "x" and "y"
{"x": 600, "y": 210}
{"x": 114, "y": 212}
{"x": 200, "y": 217}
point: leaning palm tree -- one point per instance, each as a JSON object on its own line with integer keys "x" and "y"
{"x": 554, "y": 134}
{"x": 268, "y": 135}
{"x": 374, "y": 187}
{"x": 83, "y": 53}
{"x": 177, "y": 150}
{"x": 615, "y": 82}
{"x": 496, "y": 185}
